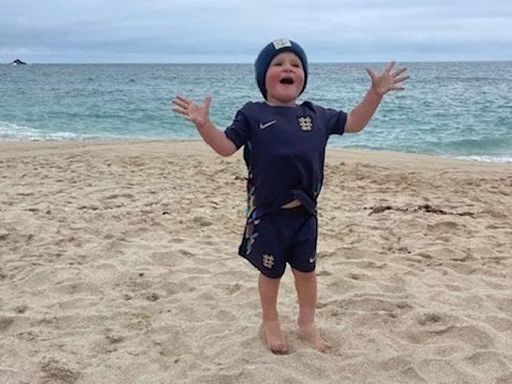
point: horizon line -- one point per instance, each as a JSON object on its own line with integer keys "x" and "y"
{"x": 252, "y": 63}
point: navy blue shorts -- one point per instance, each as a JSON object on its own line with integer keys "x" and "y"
{"x": 286, "y": 236}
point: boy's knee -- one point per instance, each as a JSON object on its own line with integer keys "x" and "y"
{"x": 269, "y": 279}
{"x": 303, "y": 276}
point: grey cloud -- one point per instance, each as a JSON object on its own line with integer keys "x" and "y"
{"x": 228, "y": 30}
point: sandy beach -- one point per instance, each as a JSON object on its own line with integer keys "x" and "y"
{"x": 118, "y": 264}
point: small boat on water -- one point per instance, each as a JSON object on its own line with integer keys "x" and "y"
{"x": 18, "y": 62}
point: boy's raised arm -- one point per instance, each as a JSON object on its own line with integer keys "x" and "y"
{"x": 382, "y": 83}
{"x": 200, "y": 116}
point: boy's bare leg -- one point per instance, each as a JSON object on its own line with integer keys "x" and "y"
{"x": 305, "y": 284}
{"x": 268, "y": 289}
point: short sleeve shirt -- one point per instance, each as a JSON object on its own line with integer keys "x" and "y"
{"x": 284, "y": 150}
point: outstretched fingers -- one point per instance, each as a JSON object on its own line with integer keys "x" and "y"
{"x": 182, "y": 99}
{"x": 400, "y": 71}
{"x": 400, "y": 75}
{"x": 207, "y": 101}
{"x": 397, "y": 88}
{"x": 181, "y": 103}
{"x": 397, "y": 77}
{"x": 371, "y": 73}
{"x": 196, "y": 113}
{"x": 389, "y": 67}
{"x": 389, "y": 79}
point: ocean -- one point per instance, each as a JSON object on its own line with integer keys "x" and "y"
{"x": 449, "y": 109}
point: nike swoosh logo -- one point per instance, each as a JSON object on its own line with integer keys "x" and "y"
{"x": 312, "y": 260}
{"x": 266, "y": 125}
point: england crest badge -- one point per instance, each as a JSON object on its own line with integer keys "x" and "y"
{"x": 306, "y": 123}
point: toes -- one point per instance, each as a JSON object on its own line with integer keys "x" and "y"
{"x": 321, "y": 346}
{"x": 311, "y": 335}
{"x": 278, "y": 349}
{"x": 273, "y": 338}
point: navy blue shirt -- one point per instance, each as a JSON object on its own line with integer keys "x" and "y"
{"x": 284, "y": 150}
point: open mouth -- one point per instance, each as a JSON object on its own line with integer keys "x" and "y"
{"x": 286, "y": 80}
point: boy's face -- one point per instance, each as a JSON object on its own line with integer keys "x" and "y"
{"x": 284, "y": 79}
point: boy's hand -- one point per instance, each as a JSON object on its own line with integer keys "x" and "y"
{"x": 198, "y": 114}
{"x": 387, "y": 81}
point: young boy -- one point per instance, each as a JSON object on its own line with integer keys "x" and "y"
{"x": 284, "y": 150}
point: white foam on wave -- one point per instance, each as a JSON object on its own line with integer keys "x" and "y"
{"x": 502, "y": 159}
{"x": 15, "y": 132}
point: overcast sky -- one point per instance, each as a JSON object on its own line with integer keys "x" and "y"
{"x": 167, "y": 31}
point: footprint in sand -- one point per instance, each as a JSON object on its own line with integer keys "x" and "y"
{"x": 432, "y": 370}
{"x": 437, "y": 332}
{"x": 5, "y": 322}
{"x": 493, "y": 361}
{"x": 57, "y": 372}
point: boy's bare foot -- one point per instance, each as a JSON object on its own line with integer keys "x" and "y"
{"x": 311, "y": 334}
{"x": 271, "y": 331}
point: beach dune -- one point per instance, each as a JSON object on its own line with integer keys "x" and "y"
{"x": 118, "y": 264}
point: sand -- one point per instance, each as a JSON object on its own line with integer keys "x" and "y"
{"x": 118, "y": 264}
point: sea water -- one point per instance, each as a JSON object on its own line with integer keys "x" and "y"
{"x": 452, "y": 109}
